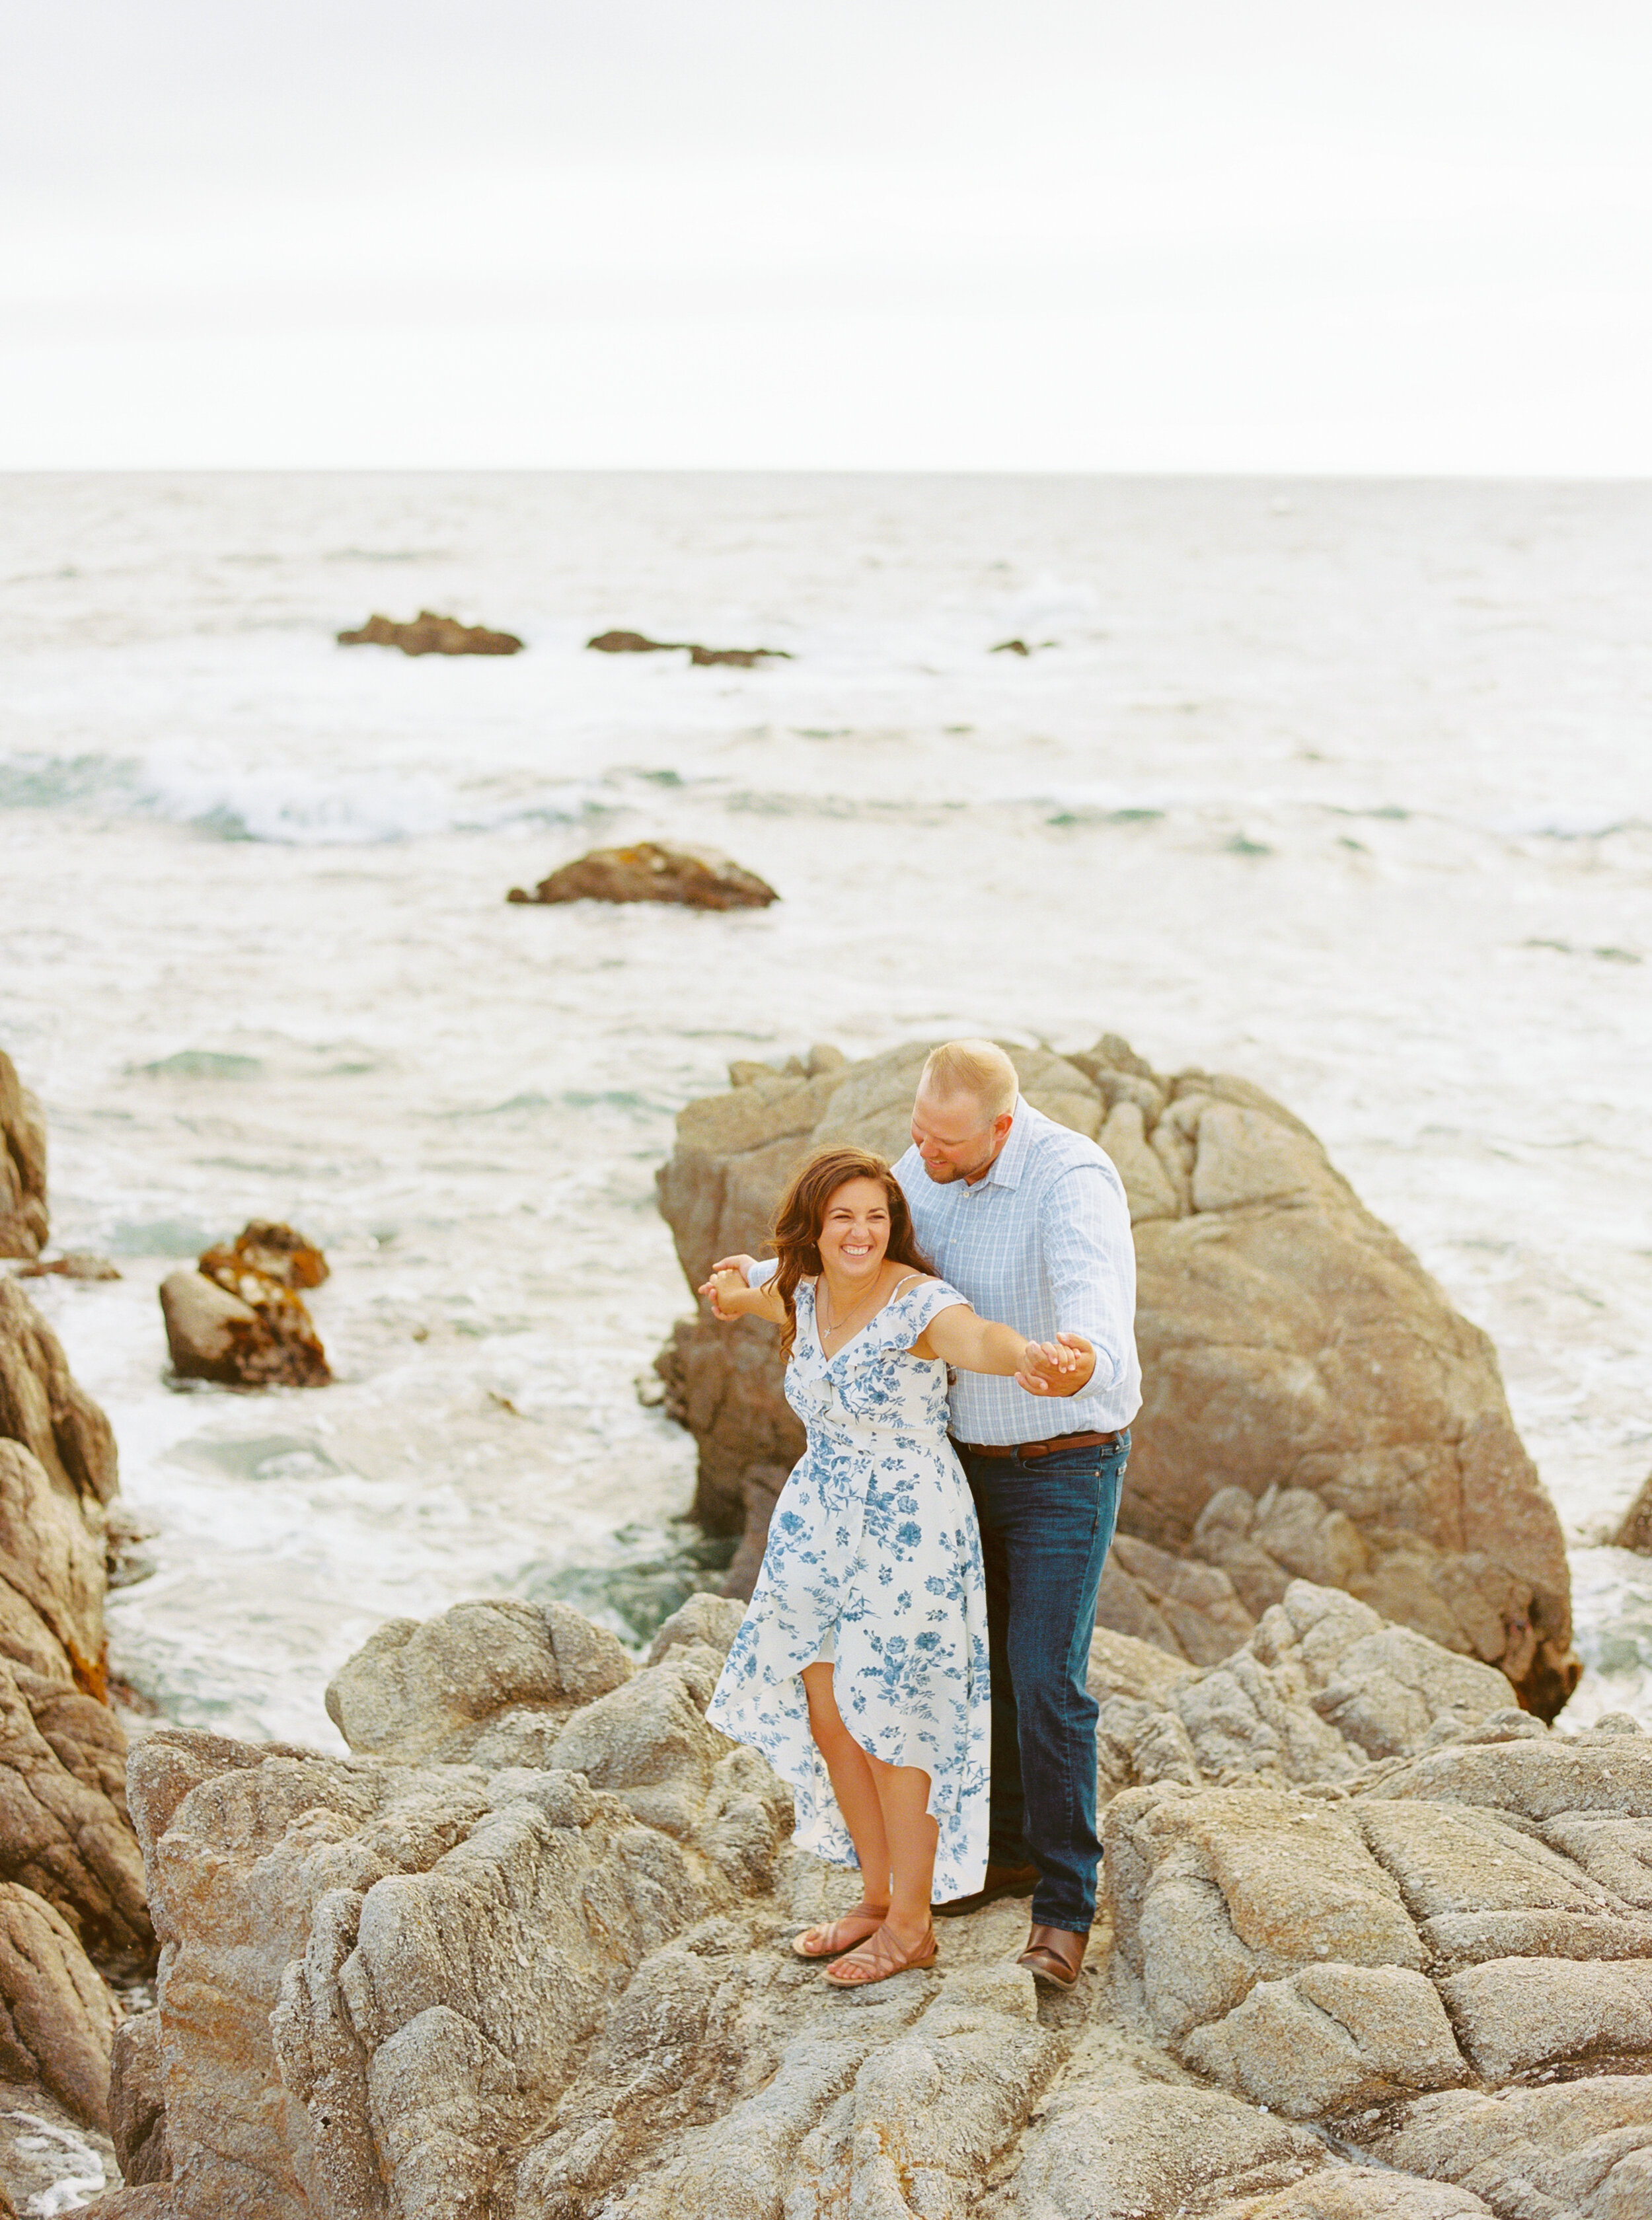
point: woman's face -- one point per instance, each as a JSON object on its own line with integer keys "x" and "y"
{"x": 855, "y": 1232}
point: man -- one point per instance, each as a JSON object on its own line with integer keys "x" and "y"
{"x": 1029, "y": 1220}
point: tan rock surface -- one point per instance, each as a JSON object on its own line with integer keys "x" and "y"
{"x": 423, "y": 1990}
{"x": 1314, "y": 1407}
{"x": 43, "y": 1405}
{"x": 57, "y": 2019}
{"x": 23, "y": 1222}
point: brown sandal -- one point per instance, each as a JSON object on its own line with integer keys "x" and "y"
{"x": 866, "y": 1924}
{"x": 882, "y": 1956}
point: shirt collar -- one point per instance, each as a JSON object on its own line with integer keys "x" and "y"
{"x": 1008, "y": 1163}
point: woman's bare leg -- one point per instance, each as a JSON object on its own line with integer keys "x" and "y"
{"x": 855, "y": 1788}
{"x": 912, "y": 1834}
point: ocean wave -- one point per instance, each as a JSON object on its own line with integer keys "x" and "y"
{"x": 295, "y": 804}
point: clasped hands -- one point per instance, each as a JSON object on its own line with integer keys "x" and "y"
{"x": 731, "y": 1271}
{"x": 1061, "y": 1367}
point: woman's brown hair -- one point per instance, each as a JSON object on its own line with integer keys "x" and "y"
{"x": 802, "y": 1213}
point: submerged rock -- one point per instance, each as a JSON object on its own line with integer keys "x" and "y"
{"x": 430, "y": 634}
{"x": 638, "y": 643}
{"x": 77, "y": 1264}
{"x": 23, "y": 1222}
{"x": 1314, "y": 1407}
{"x": 650, "y": 871}
{"x": 560, "y": 1986}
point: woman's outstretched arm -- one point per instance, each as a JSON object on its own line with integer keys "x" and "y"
{"x": 730, "y": 1297}
{"x": 970, "y": 1344}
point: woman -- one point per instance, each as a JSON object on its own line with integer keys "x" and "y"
{"x": 860, "y": 1670}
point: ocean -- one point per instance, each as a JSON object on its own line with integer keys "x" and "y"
{"x": 1343, "y": 786}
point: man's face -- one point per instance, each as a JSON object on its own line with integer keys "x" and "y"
{"x": 955, "y": 1138}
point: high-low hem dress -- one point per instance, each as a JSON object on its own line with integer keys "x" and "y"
{"x": 873, "y": 1562}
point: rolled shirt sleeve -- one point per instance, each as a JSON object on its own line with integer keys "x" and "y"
{"x": 1089, "y": 1260}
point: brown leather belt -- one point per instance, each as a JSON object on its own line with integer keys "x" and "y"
{"x": 1040, "y": 1449}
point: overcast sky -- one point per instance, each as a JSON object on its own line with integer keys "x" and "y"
{"x": 1175, "y": 234}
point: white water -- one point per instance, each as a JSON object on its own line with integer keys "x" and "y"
{"x": 1342, "y": 786}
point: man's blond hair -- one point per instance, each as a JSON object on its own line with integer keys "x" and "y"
{"x": 979, "y": 1069}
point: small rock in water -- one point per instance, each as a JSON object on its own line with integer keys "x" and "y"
{"x": 430, "y": 634}
{"x": 630, "y": 643}
{"x": 697, "y": 877}
{"x": 638, "y": 643}
{"x": 1010, "y": 647}
{"x": 237, "y": 1319}
{"x": 77, "y": 1264}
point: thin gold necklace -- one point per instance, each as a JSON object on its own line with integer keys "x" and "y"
{"x": 834, "y": 1325}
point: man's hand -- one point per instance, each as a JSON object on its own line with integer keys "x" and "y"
{"x": 743, "y": 1265}
{"x": 1061, "y": 1367}
{"x": 726, "y": 1278}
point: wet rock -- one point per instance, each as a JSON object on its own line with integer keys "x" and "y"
{"x": 1010, "y": 647}
{"x": 637, "y": 643}
{"x": 24, "y": 1223}
{"x": 57, "y": 2018}
{"x": 698, "y": 878}
{"x": 1314, "y": 1408}
{"x": 254, "y": 1333}
{"x": 430, "y": 634}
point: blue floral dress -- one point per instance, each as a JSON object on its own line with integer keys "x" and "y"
{"x": 874, "y": 1562}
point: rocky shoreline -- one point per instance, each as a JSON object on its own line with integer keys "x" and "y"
{"x": 1375, "y": 1937}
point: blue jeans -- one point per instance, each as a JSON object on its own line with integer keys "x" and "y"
{"x": 1047, "y": 1525}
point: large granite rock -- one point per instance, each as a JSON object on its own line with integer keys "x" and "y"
{"x": 1358, "y": 1906}
{"x": 22, "y": 1167}
{"x": 1313, "y": 1406}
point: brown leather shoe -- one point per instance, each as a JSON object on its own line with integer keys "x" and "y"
{"x": 1053, "y": 1956}
{"x": 1001, "y": 1880}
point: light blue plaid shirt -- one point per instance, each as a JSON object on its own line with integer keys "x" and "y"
{"x": 1043, "y": 1244}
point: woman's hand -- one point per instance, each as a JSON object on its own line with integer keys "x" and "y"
{"x": 1061, "y": 1367}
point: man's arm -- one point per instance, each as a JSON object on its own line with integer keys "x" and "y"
{"x": 754, "y": 1275}
{"x": 1089, "y": 1260}
{"x": 730, "y": 1297}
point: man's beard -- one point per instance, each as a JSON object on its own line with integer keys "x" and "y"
{"x": 948, "y": 1172}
